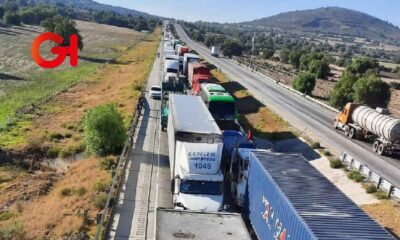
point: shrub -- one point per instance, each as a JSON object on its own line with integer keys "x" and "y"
{"x": 108, "y": 163}
{"x": 356, "y": 176}
{"x": 53, "y": 151}
{"x": 66, "y": 192}
{"x": 104, "y": 130}
{"x": 57, "y": 136}
{"x": 6, "y": 215}
{"x": 68, "y": 135}
{"x": 371, "y": 188}
{"x": 12, "y": 18}
{"x": 304, "y": 82}
{"x": 335, "y": 163}
{"x": 327, "y": 153}
{"x": 100, "y": 201}
{"x": 381, "y": 195}
{"x": 315, "y": 145}
{"x": 81, "y": 191}
{"x": 100, "y": 186}
{"x": 12, "y": 231}
{"x": 138, "y": 87}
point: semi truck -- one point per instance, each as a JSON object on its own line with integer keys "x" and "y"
{"x": 196, "y": 68}
{"x": 188, "y": 58}
{"x": 219, "y": 102}
{"x": 197, "y": 80}
{"x": 171, "y": 66}
{"x": 284, "y": 197}
{"x": 195, "y": 151}
{"x": 177, "y": 224}
{"x": 375, "y": 125}
{"x": 182, "y": 50}
{"x": 215, "y": 51}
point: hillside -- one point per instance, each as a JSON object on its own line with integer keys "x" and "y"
{"x": 90, "y": 4}
{"x": 330, "y": 20}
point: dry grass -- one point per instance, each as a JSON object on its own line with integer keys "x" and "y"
{"x": 254, "y": 115}
{"x": 386, "y": 213}
{"x": 113, "y": 83}
{"x": 55, "y": 215}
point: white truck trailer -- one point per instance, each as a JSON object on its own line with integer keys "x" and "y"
{"x": 195, "y": 151}
{"x": 176, "y": 225}
{"x": 188, "y": 58}
{"x": 215, "y": 51}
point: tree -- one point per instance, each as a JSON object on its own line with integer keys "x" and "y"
{"x": 268, "y": 53}
{"x": 343, "y": 91}
{"x": 396, "y": 58}
{"x": 63, "y": 27}
{"x": 319, "y": 67}
{"x": 284, "y": 55}
{"x": 231, "y": 48}
{"x": 104, "y": 130}
{"x": 304, "y": 82}
{"x": 10, "y": 6}
{"x": 361, "y": 65}
{"x": 372, "y": 91}
{"x": 12, "y": 18}
{"x": 1, "y": 12}
{"x": 294, "y": 58}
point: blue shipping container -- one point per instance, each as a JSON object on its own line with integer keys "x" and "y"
{"x": 288, "y": 199}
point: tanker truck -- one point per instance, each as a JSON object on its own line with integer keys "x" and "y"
{"x": 377, "y": 126}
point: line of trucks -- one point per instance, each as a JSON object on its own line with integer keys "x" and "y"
{"x": 220, "y": 181}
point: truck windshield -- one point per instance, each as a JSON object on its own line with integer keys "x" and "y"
{"x": 222, "y": 110}
{"x": 172, "y": 70}
{"x": 201, "y": 187}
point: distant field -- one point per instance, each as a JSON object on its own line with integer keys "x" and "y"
{"x": 23, "y": 83}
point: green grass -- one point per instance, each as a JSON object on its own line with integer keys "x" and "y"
{"x": 40, "y": 87}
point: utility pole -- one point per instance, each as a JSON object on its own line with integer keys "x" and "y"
{"x": 252, "y": 50}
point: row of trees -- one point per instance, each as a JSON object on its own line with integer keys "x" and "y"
{"x": 32, "y": 14}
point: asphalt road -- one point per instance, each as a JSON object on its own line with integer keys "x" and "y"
{"x": 146, "y": 183}
{"x": 305, "y": 115}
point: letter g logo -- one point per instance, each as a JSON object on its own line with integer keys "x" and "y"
{"x": 61, "y": 51}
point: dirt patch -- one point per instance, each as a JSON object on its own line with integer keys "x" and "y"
{"x": 386, "y": 213}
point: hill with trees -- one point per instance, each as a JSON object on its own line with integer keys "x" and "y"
{"x": 329, "y": 20}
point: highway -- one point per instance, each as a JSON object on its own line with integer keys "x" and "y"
{"x": 303, "y": 114}
{"x": 146, "y": 183}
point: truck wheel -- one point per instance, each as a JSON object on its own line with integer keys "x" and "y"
{"x": 346, "y": 130}
{"x": 381, "y": 149}
{"x": 352, "y": 132}
{"x": 375, "y": 146}
{"x": 163, "y": 128}
{"x": 335, "y": 125}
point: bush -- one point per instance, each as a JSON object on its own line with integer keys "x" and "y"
{"x": 371, "y": 188}
{"x": 231, "y": 48}
{"x": 108, "y": 163}
{"x": 12, "y": 18}
{"x": 372, "y": 91}
{"x": 100, "y": 186}
{"x": 104, "y": 130}
{"x": 66, "y": 192}
{"x": 304, "y": 82}
{"x": 12, "y": 231}
{"x": 81, "y": 191}
{"x": 53, "y": 151}
{"x": 6, "y": 215}
{"x": 68, "y": 135}
{"x": 356, "y": 176}
{"x": 343, "y": 91}
{"x": 327, "y": 153}
{"x": 335, "y": 163}
{"x": 57, "y": 136}
{"x": 381, "y": 195}
{"x": 100, "y": 201}
{"x": 315, "y": 145}
{"x": 284, "y": 55}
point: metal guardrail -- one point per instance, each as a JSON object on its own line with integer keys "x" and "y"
{"x": 371, "y": 176}
{"x": 104, "y": 215}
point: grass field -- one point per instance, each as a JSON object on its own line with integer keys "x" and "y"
{"x": 59, "y": 206}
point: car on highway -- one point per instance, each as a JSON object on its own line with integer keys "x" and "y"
{"x": 155, "y": 92}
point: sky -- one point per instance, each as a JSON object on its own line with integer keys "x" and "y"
{"x": 243, "y": 10}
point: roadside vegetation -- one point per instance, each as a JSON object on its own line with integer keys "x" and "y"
{"x": 63, "y": 203}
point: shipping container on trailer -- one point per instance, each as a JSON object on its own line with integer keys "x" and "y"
{"x": 177, "y": 224}
{"x": 287, "y": 198}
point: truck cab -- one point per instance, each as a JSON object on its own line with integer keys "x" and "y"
{"x": 239, "y": 173}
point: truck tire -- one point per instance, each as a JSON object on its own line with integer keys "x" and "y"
{"x": 335, "y": 125}
{"x": 346, "y": 130}
{"x": 163, "y": 128}
{"x": 375, "y": 146}
{"x": 352, "y": 133}
{"x": 381, "y": 149}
